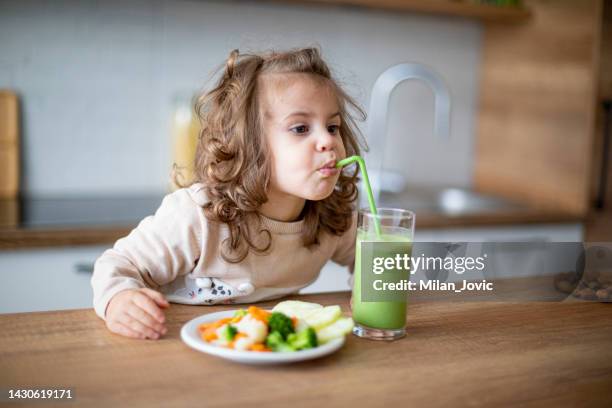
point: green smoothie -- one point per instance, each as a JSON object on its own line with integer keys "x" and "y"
{"x": 379, "y": 315}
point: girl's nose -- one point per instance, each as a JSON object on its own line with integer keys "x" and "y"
{"x": 325, "y": 141}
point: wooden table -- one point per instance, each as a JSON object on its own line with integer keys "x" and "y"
{"x": 456, "y": 354}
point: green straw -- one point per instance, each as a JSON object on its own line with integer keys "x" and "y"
{"x": 366, "y": 181}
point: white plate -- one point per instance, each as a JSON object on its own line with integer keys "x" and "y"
{"x": 191, "y": 337}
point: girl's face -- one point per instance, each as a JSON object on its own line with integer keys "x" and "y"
{"x": 301, "y": 122}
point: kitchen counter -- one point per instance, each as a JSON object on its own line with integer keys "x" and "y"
{"x": 55, "y": 222}
{"x": 455, "y": 354}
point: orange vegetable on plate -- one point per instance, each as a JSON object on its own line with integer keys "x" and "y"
{"x": 259, "y": 347}
{"x": 208, "y": 331}
{"x": 210, "y": 334}
{"x": 259, "y": 314}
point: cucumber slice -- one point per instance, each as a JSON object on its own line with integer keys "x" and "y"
{"x": 320, "y": 318}
{"x": 339, "y": 328}
{"x": 296, "y": 308}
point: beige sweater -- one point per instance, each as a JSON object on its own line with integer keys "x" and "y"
{"x": 177, "y": 252}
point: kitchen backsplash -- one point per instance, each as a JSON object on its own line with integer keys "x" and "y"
{"x": 98, "y": 81}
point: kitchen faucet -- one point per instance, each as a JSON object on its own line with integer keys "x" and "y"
{"x": 377, "y": 123}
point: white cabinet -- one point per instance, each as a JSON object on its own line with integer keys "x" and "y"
{"x": 335, "y": 278}
{"x": 46, "y": 279}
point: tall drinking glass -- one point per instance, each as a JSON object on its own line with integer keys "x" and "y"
{"x": 381, "y": 315}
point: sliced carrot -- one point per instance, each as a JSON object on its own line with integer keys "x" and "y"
{"x": 210, "y": 334}
{"x": 204, "y": 326}
{"x": 259, "y": 314}
{"x": 254, "y": 311}
{"x": 214, "y": 325}
{"x": 209, "y": 330}
{"x": 295, "y": 322}
{"x": 259, "y": 347}
{"x": 221, "y": 322}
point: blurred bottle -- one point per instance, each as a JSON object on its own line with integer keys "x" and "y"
{"x": 185, "y": 133}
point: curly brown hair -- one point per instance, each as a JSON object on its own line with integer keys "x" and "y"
{"x": 232, "y": 159}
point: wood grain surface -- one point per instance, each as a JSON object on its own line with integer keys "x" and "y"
{"x": 455, "y": 354}
{"x": 538, "y": 97}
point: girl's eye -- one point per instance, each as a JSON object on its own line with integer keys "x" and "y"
{"x": 333, "y": 129}
{"x": 300, "y": 129}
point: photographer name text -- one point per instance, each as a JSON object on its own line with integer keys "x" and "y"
{"x": 433, "y": 285}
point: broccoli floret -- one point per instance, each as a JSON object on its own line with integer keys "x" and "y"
{"x": 275, "y": 342}
{"x": 281, "y": 323}
{"x": 227, "y": 333}
{"x": 305, "y": 339}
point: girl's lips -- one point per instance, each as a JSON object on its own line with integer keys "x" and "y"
{"x": 329, "y": 171}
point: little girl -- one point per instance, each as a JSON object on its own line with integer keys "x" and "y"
{"x": 267, "y": 210}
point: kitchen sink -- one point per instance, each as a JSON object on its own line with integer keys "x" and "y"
{"x": 447, "y": 201}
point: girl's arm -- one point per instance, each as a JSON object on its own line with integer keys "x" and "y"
{"x": 345, "y": 249}
{"x": 159, "y": 249}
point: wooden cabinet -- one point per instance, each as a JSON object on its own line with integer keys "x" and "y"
{"x": 605, "y": 48}
{"x": 9, "y": 147}
{"x": 602, "y": 176}
{"x": 538, "y": 98}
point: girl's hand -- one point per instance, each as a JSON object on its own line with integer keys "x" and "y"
{"x": 136, "y": 313}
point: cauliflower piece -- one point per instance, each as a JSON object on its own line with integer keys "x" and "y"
{"x": 243, "y": 343}
{"x": 301, "y": 325}
{"x": 254, "y": 329}
{"x": 221, "y": 339}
